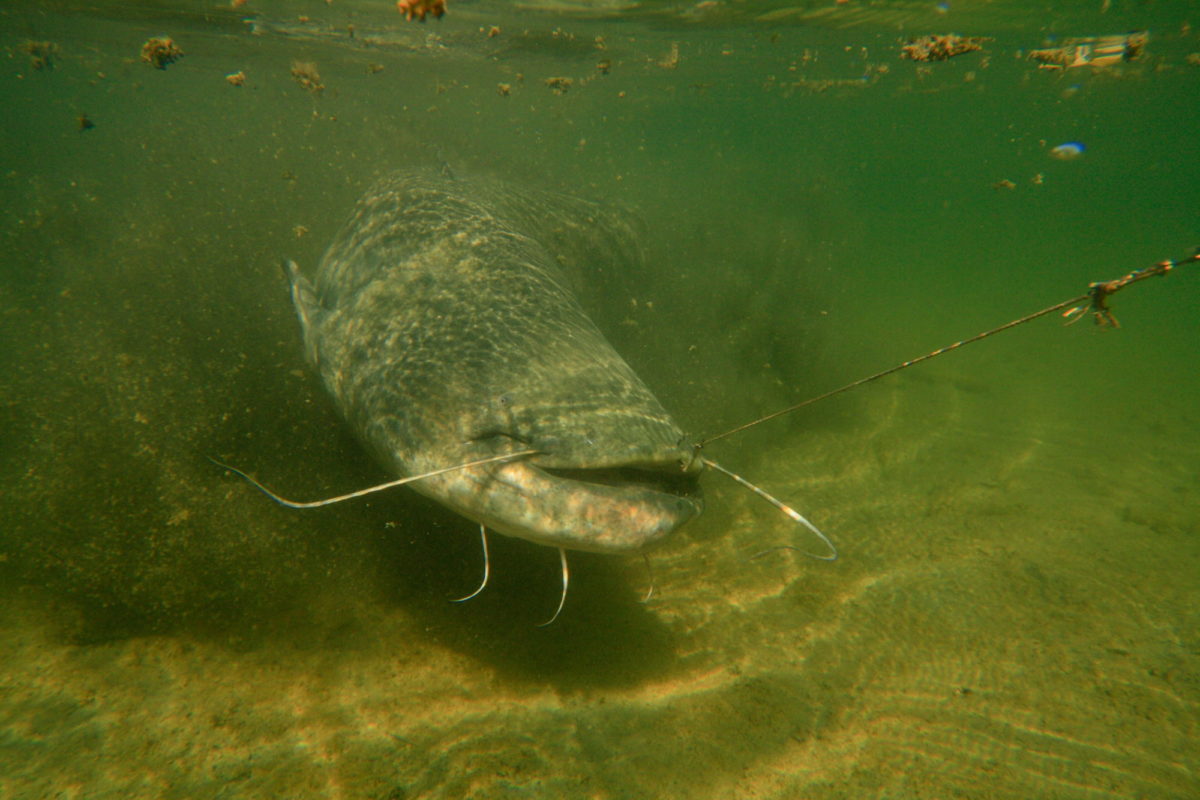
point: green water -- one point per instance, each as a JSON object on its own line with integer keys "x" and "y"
{"x": 1014, "y": 614}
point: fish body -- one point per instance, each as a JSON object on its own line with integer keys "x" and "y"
{"x": 445, "y": 331}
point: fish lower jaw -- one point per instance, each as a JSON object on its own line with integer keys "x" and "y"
{"x": 519, "y": 499}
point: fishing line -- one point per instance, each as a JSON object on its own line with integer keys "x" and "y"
{"x": 1094, "y": 301}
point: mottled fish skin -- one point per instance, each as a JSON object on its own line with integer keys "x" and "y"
{"x": 446, "y": 332}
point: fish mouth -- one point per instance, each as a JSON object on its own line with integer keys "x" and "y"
{"x": 608, "y": 509}
{"x": 676, "y": 483}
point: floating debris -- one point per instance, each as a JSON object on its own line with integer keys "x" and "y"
{"x": 41, "y": 54}
{"x": 1068, "y": 151}
{"x": 305, "y": 73}
{"x": 159, "y": 51}
{"x": 814, "y": 85}
{"x": 504, "y": 89}
{"x": 560, "y": 85}
{"x": 1004, "y": 184}
{"x": 939, "y": 47}
{"x": 419, "y": 9}
{"x": 236, "y": 78}
{"x": 672, "y": 59}
{"x": 604, "y": 66}
{"x": 84, "y": 122}
{"x": 1092, "y": 51}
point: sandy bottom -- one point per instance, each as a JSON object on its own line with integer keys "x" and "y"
{"x": 1005, "y": 621}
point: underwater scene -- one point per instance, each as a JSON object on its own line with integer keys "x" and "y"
{"x": 756, "y": 203}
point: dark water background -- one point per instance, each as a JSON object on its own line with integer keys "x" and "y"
{"x": 1014, "y": 614}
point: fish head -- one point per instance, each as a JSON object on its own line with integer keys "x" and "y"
{"x": 608, "y": 477}
{"x": 446, "y": 332}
